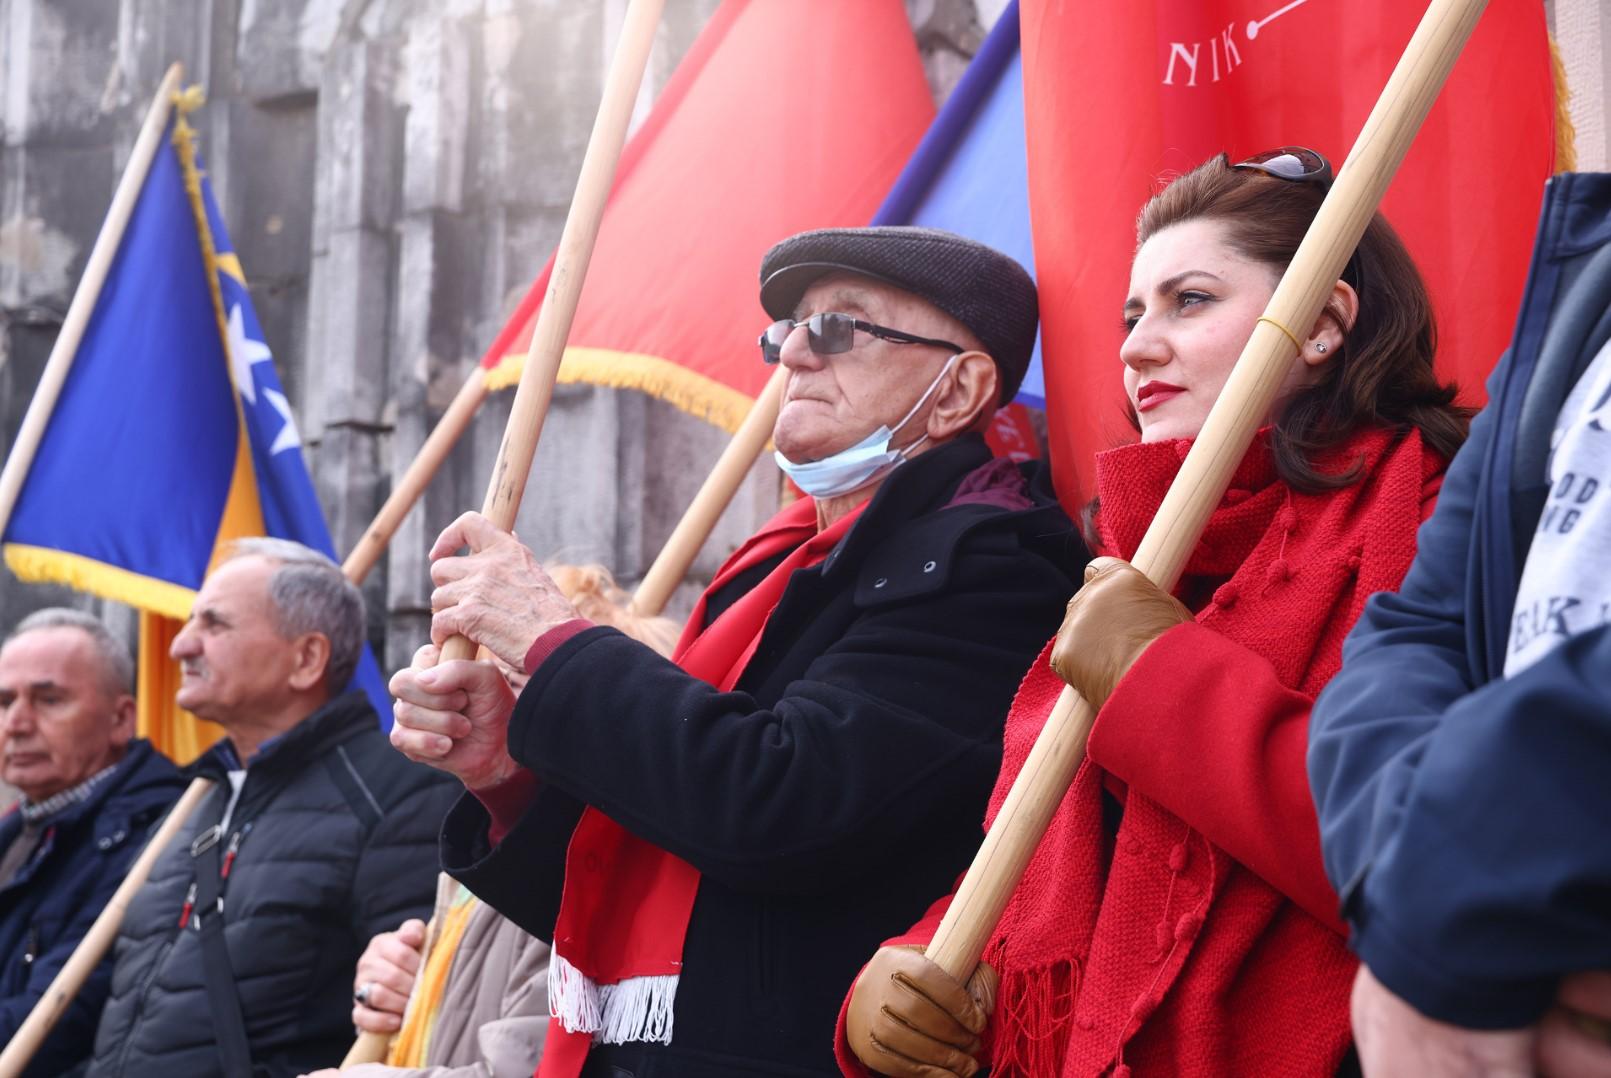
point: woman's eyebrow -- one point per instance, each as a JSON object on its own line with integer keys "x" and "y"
{"x": 1172, "y": 283}
{"x": 1178, "y": 279}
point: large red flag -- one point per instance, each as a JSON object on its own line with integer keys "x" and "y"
{"x": 1119, "y": 95}
{"x": 785, "y": 115}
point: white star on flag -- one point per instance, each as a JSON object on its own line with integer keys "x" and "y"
{"x": 244, "y": 354}
{"x": 288, "y": 437}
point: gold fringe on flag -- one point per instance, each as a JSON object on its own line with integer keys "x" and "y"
{"x": 694, "y": 393}
{"x": 43, "y": 565}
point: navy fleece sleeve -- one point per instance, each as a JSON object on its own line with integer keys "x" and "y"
{"x": 1464, "y": 825}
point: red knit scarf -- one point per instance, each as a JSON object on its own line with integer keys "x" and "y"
{"x": 624, "y": 913}
{"x": 1345, "y": 545}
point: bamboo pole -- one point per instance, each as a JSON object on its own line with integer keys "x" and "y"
{"x": 714, "y": 496}
{"x": 87, "y": 955}
{"x": 1242, "y": 406}
{"x": 65, "y": 349}
{"x": 443, "y": 437}
{"x": 374, "y": 1047}
{"x": 541, "y": 369}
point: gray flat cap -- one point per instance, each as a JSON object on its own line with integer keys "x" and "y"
{"x": 977, "y": 285}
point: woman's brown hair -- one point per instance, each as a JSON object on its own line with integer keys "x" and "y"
{"x": 1382, "y": 375}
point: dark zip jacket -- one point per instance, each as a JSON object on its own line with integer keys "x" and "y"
{"x": 829, "y": 797}
{"x": 335, "y": 833}
{"x": 50, "y": 903}
{"x": 1463, "y": 814}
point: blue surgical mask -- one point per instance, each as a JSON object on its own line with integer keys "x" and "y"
{"x": 869, "y": 459}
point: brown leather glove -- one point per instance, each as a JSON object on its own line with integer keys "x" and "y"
{"x": 908, "y": 1017}
{"x": 1109, "y": 623}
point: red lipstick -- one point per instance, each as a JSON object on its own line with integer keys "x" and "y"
{"x": 1154, "y": 393}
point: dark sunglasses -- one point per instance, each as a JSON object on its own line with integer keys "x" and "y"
{"x": 1298, "y": 164}
{"x": 831, "y": 333}
{"x": 1295, "y": 164}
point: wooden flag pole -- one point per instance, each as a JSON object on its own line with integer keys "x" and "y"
{"x": 96, "y": 268}
{"x": 443, "y": 437}
{"x": 374, "y": 1047}
{"x": 1242, "y": 407}
{"x": 714, "y": 496}
{"x": 87, "y": 955}
{"x": 541, "y": 369}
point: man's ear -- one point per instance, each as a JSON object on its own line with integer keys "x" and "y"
{"x": 125, "y": 719}
{"x": 1336, "y": 318}
{"x": 967, "y": 398}
{"x": 312, "y": 656}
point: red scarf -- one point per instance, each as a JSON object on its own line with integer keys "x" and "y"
{"x": 1289, "y": 574}
{"x": 624, "y": 913}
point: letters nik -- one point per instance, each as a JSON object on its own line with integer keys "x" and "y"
{"x": 1184, "y": 66}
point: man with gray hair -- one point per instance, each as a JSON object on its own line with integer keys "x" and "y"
{"x": 90, "y": 793}
{"x": 235, "y": 957}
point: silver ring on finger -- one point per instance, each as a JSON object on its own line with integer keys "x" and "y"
{"x": 362, "y": 995}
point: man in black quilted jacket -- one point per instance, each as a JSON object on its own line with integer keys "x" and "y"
{"x": 235, "y": 958}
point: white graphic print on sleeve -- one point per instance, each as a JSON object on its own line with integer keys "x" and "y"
{"x": 1566, "y": 584}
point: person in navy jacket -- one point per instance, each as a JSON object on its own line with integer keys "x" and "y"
{"x": 91, "y": 792}
{"x": 1461, "y": 761}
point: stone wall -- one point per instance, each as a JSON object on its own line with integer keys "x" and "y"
{"x": 393, "y": 174}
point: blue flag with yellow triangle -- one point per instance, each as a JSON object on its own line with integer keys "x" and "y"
{"x": 171, "y": 437}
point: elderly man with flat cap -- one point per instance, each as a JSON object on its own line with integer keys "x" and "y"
{"x": 714, "y": 843}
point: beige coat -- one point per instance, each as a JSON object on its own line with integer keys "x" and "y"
{"x": 494, "y": 1010}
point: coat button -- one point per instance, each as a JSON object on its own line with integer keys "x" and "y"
{"x": 928, "y": 567}
{"x": 881, "y": 581}
{"x": 1177, "y": 857}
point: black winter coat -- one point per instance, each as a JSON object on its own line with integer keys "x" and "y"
{"x": 828, "y": 798}
{"x": 335, "y": 845}
{"x": 54, "y": 898}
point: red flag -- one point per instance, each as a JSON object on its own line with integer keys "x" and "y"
{"x": 785, "y": 115}
{"x": 1119, "y": 95}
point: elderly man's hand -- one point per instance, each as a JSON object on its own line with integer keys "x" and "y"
{"x": 908, "y": 1017}
{"x": 497, "y": 595}
{"x": 385, "y": 977}
{"x": 1109, "y": 623}
{"x": 454, "y": 717}
{"x": 1574, "y": 1039}
{"x": 1397, "y": 1041}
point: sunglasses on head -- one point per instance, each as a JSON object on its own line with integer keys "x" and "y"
{"x": 832, "y": 333}
{"x": 1298, "y": 164}
{"x": 1295, "y": 164}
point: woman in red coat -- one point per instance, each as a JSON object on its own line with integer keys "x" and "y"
{"x": 1176, "y": 919}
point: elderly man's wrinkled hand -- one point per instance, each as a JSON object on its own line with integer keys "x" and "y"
{"x": 385, "y": 977}
{"x": 1109, "y": 623}
{"x": 497, "y": 594}
{"x": 908, "y": 1017}
{"x": 454, "y": 717}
